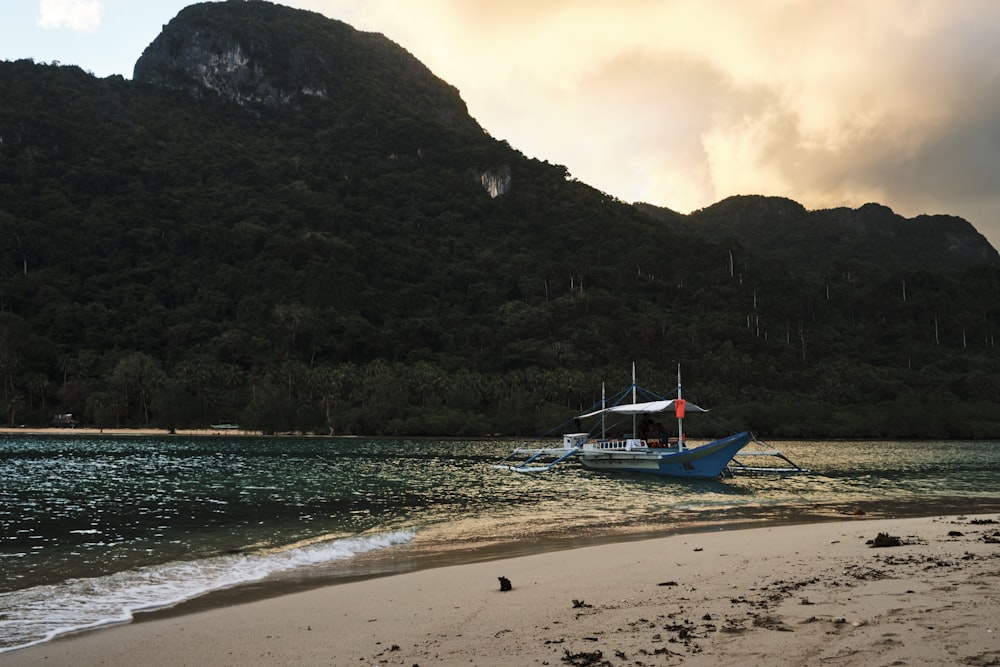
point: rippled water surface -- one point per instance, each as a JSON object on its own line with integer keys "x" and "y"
{"x": 120, "y": 524}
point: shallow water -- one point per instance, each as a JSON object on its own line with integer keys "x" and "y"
{"x": 93, "y": 529}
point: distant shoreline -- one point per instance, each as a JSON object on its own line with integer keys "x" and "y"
{"x": 127, "y": 431}
{"x": 88, "y": 430}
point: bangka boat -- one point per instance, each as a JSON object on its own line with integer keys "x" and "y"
{"x": 647, "y": 449}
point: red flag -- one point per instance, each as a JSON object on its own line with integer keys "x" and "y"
{"x": 679, "y": 407}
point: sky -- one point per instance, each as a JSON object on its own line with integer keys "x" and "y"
{"x": 678, "y": 103}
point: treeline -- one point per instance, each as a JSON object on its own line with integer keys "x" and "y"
{"x": 422, "y": 399}
{"x": 176, "y": 262}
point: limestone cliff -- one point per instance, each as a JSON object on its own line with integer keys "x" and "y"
{"x": 256, "y": 52}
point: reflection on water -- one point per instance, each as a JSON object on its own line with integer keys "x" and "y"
{"x": 102, "y": 504}
{"x": 95, "y": 520}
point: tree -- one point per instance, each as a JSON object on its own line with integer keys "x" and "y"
{"x": 135, "y": 378}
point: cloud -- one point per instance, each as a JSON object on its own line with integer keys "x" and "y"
{"x": 682, "y": 103}
{"x": 76, "y": 15}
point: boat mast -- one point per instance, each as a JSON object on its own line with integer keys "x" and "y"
{"x": 634, "y": 434}
{"x": 604, "y": 404}
{"x": 680, "y": 419}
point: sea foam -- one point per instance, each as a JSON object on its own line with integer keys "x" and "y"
{"x": 36, "y": 615}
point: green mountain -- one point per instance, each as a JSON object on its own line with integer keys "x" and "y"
{"x": 289, "y": 223}
{"x": 836, "y": 239}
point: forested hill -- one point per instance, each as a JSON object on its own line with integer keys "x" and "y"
{"x": 828, "y": 240}
{"x": 288, "y": 223}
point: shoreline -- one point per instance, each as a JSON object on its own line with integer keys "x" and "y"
{"x": 88, "y": 430}
{"x": 149, "y": 431}
{"x": 419, "y": 556}
{"x": 718, "y": 596}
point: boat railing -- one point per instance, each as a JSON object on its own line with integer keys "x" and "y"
{"x": 623, "y": 444}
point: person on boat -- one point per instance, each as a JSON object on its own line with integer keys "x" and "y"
{"x": 662, "y": 434}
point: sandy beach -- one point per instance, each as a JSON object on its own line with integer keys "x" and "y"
{"x": 785, "y": 595}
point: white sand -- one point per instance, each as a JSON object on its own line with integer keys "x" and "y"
{"x": 789, "y": 595}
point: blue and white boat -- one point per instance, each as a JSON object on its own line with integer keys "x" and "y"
{"x": 647, "y": 448}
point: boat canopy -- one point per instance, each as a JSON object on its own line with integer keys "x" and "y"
{"x": 645, "y": 408}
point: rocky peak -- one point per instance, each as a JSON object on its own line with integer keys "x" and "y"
{"x": 257, "y": 52}
{"x": 203, "y": 60}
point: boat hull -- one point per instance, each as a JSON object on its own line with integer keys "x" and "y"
{"x": 704, "y": 462}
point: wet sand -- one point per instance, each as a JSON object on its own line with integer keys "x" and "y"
{"x": 789, "y": 595}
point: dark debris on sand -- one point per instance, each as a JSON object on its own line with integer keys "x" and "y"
{"x": 586, "y": 659}
{"x": 683, "y": 633}
{"x": 885, "y": 540}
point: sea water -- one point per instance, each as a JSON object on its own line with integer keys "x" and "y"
{"x": 96, "y": 528}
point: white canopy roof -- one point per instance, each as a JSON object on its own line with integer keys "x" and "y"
{"x": 645, "y": 408}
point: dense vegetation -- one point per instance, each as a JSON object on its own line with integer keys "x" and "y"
{"x": 337, "y": 266}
